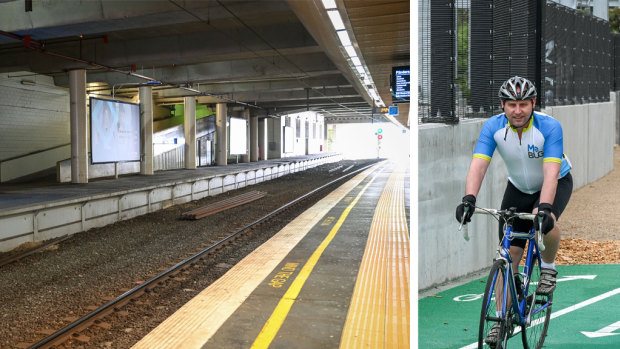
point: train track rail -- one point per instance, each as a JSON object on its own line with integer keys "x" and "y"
{"x": 72, "y": 330}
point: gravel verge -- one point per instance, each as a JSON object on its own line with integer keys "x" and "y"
{"x": 590, "y": 227}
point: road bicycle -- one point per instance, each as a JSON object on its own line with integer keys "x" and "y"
{"x": 531, "y": 312}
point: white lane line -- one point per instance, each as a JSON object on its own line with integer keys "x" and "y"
{"x": 567, "y": 310}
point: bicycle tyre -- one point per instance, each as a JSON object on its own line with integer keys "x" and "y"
{"x": 534, "y": 335}
{"x": 488, "y": 316}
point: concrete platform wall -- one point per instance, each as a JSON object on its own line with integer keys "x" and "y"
{"x": 56, "y": 219}
{"x": 445, "y": 153}
{"x": 35, "y": 118}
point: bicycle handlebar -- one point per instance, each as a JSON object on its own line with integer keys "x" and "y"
{"x": 500, "y": 213}
{"x": 493, "y": 212}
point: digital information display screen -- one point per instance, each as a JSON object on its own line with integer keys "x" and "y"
{"x": 114, "y": 131}
{"x": 401, "y": 81}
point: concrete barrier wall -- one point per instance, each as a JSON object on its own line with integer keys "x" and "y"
{"x": 615, "y": 96}
{"x": 444, "y": 155}
{"x": 29, "y": 164}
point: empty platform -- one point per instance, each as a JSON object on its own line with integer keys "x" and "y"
{"x": 335, "y": 277}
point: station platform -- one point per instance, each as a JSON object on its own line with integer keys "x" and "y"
{"x": 42, "y": 211}
{"x": 335, "y": 277}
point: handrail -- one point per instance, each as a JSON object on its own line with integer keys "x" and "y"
{"x": 33, "y": 152}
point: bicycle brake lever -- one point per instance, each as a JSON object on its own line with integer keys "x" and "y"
{"x": 541, "y": 244}
{"x": 463, "y": 225}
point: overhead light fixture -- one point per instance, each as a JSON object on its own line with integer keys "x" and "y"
{"x": 334, "y": 16}
{"x": 28, "y": 82}
{"x": 344, "y": 38}
{"x": 329, "y": 4}
{"x": 350, "y": 51}
{"x": 355, "y": 60}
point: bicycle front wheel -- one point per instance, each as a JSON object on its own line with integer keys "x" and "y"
{"x": 490, "y": 315}
{"x": 537, "y": 311}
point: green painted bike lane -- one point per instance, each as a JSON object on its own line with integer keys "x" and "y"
{"x": 585, "y": 313}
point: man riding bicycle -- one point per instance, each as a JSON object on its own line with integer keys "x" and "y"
{"x": 539, "y": 178}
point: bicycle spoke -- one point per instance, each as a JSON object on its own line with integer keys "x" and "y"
{"x": 491, "y": 310}
{"x": 538, "y": 308}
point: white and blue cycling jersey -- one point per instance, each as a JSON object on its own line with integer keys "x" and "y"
{"x": 541, "y": 141}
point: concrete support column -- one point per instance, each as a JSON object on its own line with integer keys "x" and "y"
{"x": 146, "y": 130}
{"x": 221, "y": 137}
{"x": 254, "y": 138}
{"x": 79, "y": 126}
{"x": 246, "y": 115}
{"x": 276, "y": 137}
{"x": 324, "y": 137}
{"x": 262, "y": 139}
{"x": 189, "y": 128}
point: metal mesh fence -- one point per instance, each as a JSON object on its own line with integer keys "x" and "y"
{"x": 616, "y": 61}
{"x": 578, "y": 56}
{"x": 468, "y": 49}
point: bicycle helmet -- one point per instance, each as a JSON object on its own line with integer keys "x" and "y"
{"x": 517, "y": 88}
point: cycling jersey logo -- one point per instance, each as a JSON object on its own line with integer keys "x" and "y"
{"x": 533, "y": 152}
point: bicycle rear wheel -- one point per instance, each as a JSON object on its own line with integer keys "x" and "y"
{"x": 538, "y": 309}
{"x": 489, "y": 314}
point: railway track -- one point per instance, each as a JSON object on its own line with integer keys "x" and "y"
{"x": 96, "y": 317}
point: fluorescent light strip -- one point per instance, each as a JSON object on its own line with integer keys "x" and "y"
{"x": 334, "y": 16}
{"x": 344, "y": 37}
{"x": 350, "y": 51}
{"x": 329, "y": 4}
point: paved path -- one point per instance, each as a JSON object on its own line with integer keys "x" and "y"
{"x": 586, "y": 312}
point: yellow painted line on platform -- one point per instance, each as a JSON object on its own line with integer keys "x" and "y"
{"x": 199, "y": 319}
{"x": 275, "y": 321}
{"x": 378, "y": 316}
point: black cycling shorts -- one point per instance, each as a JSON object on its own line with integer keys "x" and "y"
{"x": 513, "y": 197}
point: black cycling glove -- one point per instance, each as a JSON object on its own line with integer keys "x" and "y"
{"x": 544, "y": 211}
{"x": 469, "y": 201}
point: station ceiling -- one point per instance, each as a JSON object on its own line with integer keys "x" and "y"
{"x": 276, "y": 56}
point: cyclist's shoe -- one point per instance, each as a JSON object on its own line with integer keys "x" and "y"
{"x": 546, "y": 285}
{"x": 493, "y": 336}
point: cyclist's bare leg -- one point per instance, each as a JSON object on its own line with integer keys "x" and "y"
{"x": 516, "y": 253}
{"x": 552, "y": 242}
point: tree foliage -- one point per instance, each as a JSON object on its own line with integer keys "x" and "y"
{"x": 614, "y": 20}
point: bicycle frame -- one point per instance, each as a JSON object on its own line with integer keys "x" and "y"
{"x": 514, "y": 304}
{"x": 509, "y": 283}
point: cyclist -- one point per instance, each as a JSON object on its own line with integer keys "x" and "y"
{"x": 539, "y": 179}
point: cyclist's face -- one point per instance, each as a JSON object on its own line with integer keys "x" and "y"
{"x": 518, "y": 112}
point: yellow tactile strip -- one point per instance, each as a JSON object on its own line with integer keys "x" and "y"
{"x": 378, "y": 316}
{"x": 198, "y": 320}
